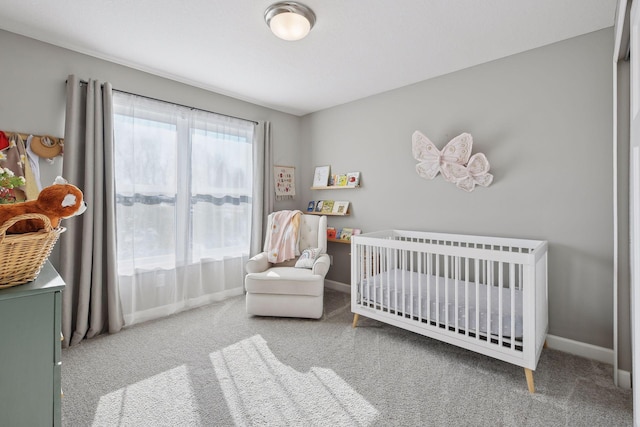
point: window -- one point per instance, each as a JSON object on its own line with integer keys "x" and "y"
{"x": 183, "y": 182}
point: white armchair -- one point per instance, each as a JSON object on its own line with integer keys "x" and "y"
{"x": 284, "y": 290}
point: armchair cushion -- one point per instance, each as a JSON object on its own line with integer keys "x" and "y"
{"x": 308, "y": 258}
{"x": 321, "y": 266}
{"x": 285, "y": 281}
{"x": 258, "y": 263}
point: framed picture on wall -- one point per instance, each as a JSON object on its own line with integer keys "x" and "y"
{"x": 321, "y": 176}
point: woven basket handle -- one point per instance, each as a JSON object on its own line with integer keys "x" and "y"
{"x": 8, "y": 223}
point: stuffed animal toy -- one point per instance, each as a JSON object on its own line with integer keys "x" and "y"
{"x": 58, "y": 201}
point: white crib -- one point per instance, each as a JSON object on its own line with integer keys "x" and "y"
{"x": 485, "y": 294}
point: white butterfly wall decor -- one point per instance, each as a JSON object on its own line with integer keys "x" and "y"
{"x": 454, "y": 161}
{"x": 476, "y": 172}
{"x": 454, "y": 155}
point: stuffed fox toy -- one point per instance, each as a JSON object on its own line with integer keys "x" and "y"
{"x": 58, "y": 201}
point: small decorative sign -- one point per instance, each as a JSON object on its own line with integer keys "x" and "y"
{"x": 285, "y": 182}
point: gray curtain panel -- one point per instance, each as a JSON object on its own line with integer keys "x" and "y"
{"x": 263, "y": 185}
{"x": 91, "y": 303}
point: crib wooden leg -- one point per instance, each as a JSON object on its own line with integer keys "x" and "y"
{"x": 529, "y": 374}
{"x": 355, "y": 320}
{"x": 545, "y": 345}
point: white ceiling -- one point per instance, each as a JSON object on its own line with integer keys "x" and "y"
{"x": 357, "y": 48}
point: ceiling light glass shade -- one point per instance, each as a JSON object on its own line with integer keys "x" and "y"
{"x": 290, "y": 26}
{"x": 289, "y": 20}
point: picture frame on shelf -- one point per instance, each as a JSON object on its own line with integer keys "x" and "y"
{"x": 321, "y": 176}
{"x": 331, "y": 233}
{"x": 311, "y": 206}
{"x": 327, "y": 206}
{"x": 346, "y": 233}
{"x": 340, "y": 207}
{"x": 353, "y": 179}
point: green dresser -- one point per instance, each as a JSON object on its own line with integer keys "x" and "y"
{"x": 30, "y": 342}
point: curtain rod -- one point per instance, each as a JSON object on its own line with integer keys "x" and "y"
{"x": 179, "y": 105}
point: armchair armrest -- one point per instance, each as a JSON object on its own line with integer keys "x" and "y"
{"x": 321, "y": 266}
{"x": 257, "y": 264}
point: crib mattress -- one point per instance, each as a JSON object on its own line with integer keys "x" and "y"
{"x": 423, "y": 296}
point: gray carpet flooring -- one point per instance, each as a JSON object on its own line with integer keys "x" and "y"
{"x": 217, "y": 366}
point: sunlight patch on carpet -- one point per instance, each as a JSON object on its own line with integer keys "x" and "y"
{"x": 260, "y": 390}
{"x": 164, "y": 399}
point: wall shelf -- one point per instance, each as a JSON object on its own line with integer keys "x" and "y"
{"x": 328, "y": 213}
{"x": 336, "y": 187}
{"x": 347, "y": 210}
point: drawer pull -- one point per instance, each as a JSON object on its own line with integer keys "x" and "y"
{"x": 61, "y": 337}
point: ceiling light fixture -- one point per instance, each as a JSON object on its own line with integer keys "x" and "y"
{"x": 289, "y": 20}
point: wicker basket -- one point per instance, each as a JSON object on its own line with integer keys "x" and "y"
{"x": 23, "y": 255}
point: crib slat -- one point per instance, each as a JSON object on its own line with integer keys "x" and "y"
{"x": 466, "y": 296}
{"x": 488, "y": 269}
{"x": 383, "y": 277}
{"x": 429, "y": 275}
{"x": 368, "y": 260}
{"x": 420, "y": 276}
{"x": 366, "y": 251}
{"x": 374, "y": 262}
{"x": 405, "y": 273}
{"x": 500, "y": 291}
{"x": 455, "y": 296}
{"x": 399, "y": 293}
{"x": 411, "y": 284}
{"x": 367, "y": 268}
{"x": 437, "y": 306}
{"x": 477, "y": 278}
{"x": 395, "y": 282}
{"x": 446, "y": 292}
{"x": 512, "y": 288}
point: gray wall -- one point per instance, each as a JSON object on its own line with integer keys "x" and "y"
{"x": 543, "y": 118}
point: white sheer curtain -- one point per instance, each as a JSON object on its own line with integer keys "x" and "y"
{"x": 183, "y": 190}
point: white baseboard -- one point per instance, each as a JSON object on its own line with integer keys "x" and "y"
{"x": 589, "y": 351}
{"x": 601, "y": 354}
{"x": 624, "y": 379}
